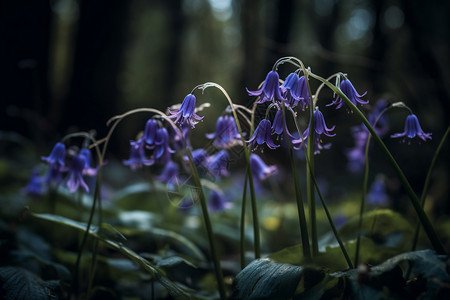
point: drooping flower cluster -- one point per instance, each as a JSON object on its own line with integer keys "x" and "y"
{"x": 79, "y": 166}
{"x": 291, "y": 93}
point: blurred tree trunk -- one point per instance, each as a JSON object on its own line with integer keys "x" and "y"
{"x": 279, "y": 35}
{"x": 251, "y": 28}
{"x": 95, "y": 84}
{"x": 24, "y": 89}
{"x": 378, "y": 49}
{"x": 325, "y": 30}
{"x": 176, "y": 31}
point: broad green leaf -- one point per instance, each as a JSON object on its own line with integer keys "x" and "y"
{"x": 387, "y": 280}
{"x": 20, "y": 284}
{"x": 266, "y": 279}
{"x": 158, "y": 274}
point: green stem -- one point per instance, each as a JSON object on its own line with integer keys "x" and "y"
{"x": 256, "y": 230}
{"x": 298, "y": 194}
{"x": 426, "y": 185}
{"x": 428, "y": 227}
{"x": 242, "y": 228}
{"x": 365, "y": 184}
{"x": 330, "y": 220}
{"x": 363, "y": 199}
{"x": 207, "y": 221}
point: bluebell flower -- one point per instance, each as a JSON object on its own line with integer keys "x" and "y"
{"x": 320, "y": 127}
{"x": 35, "y": 186}
{"x": 162, "y": 144}
{"x": 262, "y": 135}
{"x": 226, "y": 134}
{"x": 356, "y": 155}
{"x": 150, "y": 132}
{"x": 349, "y": 90}
{"x": 199, "y": 156}
{"x": 75, "y": 179}
{"x": 169, "y": 174}
{"x": 88, "y": 170}
{"x": 277, "y": 125}
{"x": 217, "y": 164}
{"x": 290, "y": 89}
{"x": 54, "y": 174}
{"x": 270, "y": 89}
{"x": 260, "y": 169}
{"x": 377, "y": 193}
{"x": 303, "y": 92}
{"x": 57, "y": 155}
{"x": 412, "y": 129}
{"x": 137, "y": 155}
{"x": 217, "y": 202}
{"x": 186, "y": 113}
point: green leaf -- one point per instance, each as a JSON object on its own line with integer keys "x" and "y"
{"x": 158, "y": 274}
{"x": 20, "y": 284}
{"x": 387, "y": 280}
{"x": 266, "y": 279}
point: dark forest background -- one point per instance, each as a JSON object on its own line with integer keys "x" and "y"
{"x": 69, "y": 65}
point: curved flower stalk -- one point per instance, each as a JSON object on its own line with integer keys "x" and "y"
{"x": 262, "y": 135}
{"x": 186, "y": 113}
{"x": 349, "y": 90}
{"x": 412, "y": 129}
{"x": 270, "y": 90}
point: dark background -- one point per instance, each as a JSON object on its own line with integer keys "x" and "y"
{"x": 71, "y": 65}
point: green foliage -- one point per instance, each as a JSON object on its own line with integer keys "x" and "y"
{"x": 268, "y": 279}
{"x": 20, "y": 284}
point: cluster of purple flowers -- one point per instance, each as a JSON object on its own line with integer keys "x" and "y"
{"x": 294, "y": 91}
{"x": 79, "y": 166}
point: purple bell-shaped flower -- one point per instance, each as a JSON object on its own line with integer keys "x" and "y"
{"x": 262, "y": 135}
{"x": 349, "y": 90}
{"x": 226, "y": 134}
{"x": 57, "y": 155}
{"x": 270, "y": 89}
{"x": 186, "y": 113}
{"x": 75, "y": 179}
{"x": 412, "y": 129}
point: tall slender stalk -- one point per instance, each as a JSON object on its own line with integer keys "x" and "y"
{"x": 428, "y": 227}
{"x": 426, "y": 185}
{"x": 242, "y": 228}
{"x": 298, "y": 194}
{"x": 256, "y": 230}
{"x": 207, "y": 221}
